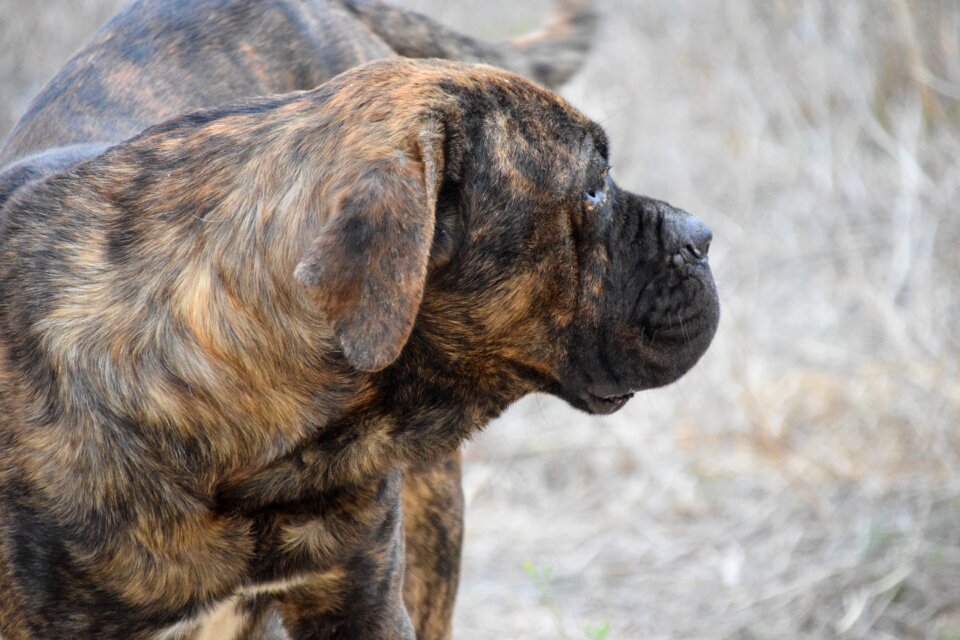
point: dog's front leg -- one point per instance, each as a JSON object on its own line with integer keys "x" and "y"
{"x": 361, "y": 599}
{"x": 433, "y": 525}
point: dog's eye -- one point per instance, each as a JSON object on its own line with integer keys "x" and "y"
{"x": 594, "y": 198}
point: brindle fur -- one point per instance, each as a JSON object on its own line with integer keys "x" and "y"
{"x": 180, "y": 467}
{"x": 157, "y": 59}
{"x": 213, "y": 371}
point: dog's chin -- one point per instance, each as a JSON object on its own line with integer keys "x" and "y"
{"x": 596, "y": 404}
{"x": 605, "y": 398}
{"x": 605, "y": 405}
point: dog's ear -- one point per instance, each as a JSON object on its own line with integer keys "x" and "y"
{"x": 369, "y": 264}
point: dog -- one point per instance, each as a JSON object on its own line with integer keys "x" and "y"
{"x": 165, "y": 57}
{"x": 223, "y": 339}
{"x": 200, "y": 430}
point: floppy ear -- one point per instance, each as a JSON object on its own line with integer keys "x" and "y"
{"x": 369, "y": 263}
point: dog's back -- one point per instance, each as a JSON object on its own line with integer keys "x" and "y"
{"x": 158, "y": 59}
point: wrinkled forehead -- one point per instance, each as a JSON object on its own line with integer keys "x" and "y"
{"x": 516, "y": 124}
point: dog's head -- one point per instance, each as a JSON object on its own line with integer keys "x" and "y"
{"x": 487, "y": 216}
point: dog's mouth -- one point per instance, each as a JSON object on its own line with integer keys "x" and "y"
{"x": 605, "y": 405}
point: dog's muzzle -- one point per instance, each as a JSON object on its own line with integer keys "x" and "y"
{"x": 659, "y": 311}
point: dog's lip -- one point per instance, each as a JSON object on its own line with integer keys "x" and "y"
{"x": 606, "y": 404}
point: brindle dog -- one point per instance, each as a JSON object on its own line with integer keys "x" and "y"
{"x": 220, "y": 341}
{"x": 165, "y": 57}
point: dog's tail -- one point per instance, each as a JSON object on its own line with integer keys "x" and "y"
{"x": 549, "y": 56}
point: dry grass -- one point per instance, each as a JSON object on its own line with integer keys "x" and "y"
{"x": 804, "y": 480}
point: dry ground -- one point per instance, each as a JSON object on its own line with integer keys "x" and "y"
{"x": 804, "y": 480}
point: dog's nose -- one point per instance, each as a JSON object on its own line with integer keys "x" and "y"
{"x": 688, "y": 239}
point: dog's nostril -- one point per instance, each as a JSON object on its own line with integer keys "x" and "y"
{"x": 696, "y": 238}
{"x": 700, "y": 240}
{"x": 686, "y": 239}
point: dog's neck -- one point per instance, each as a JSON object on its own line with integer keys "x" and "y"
{"x": 429, "y": 403}
{"x": 419, "y": 409}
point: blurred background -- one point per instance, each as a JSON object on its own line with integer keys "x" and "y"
{"x": 803, "y": 481}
